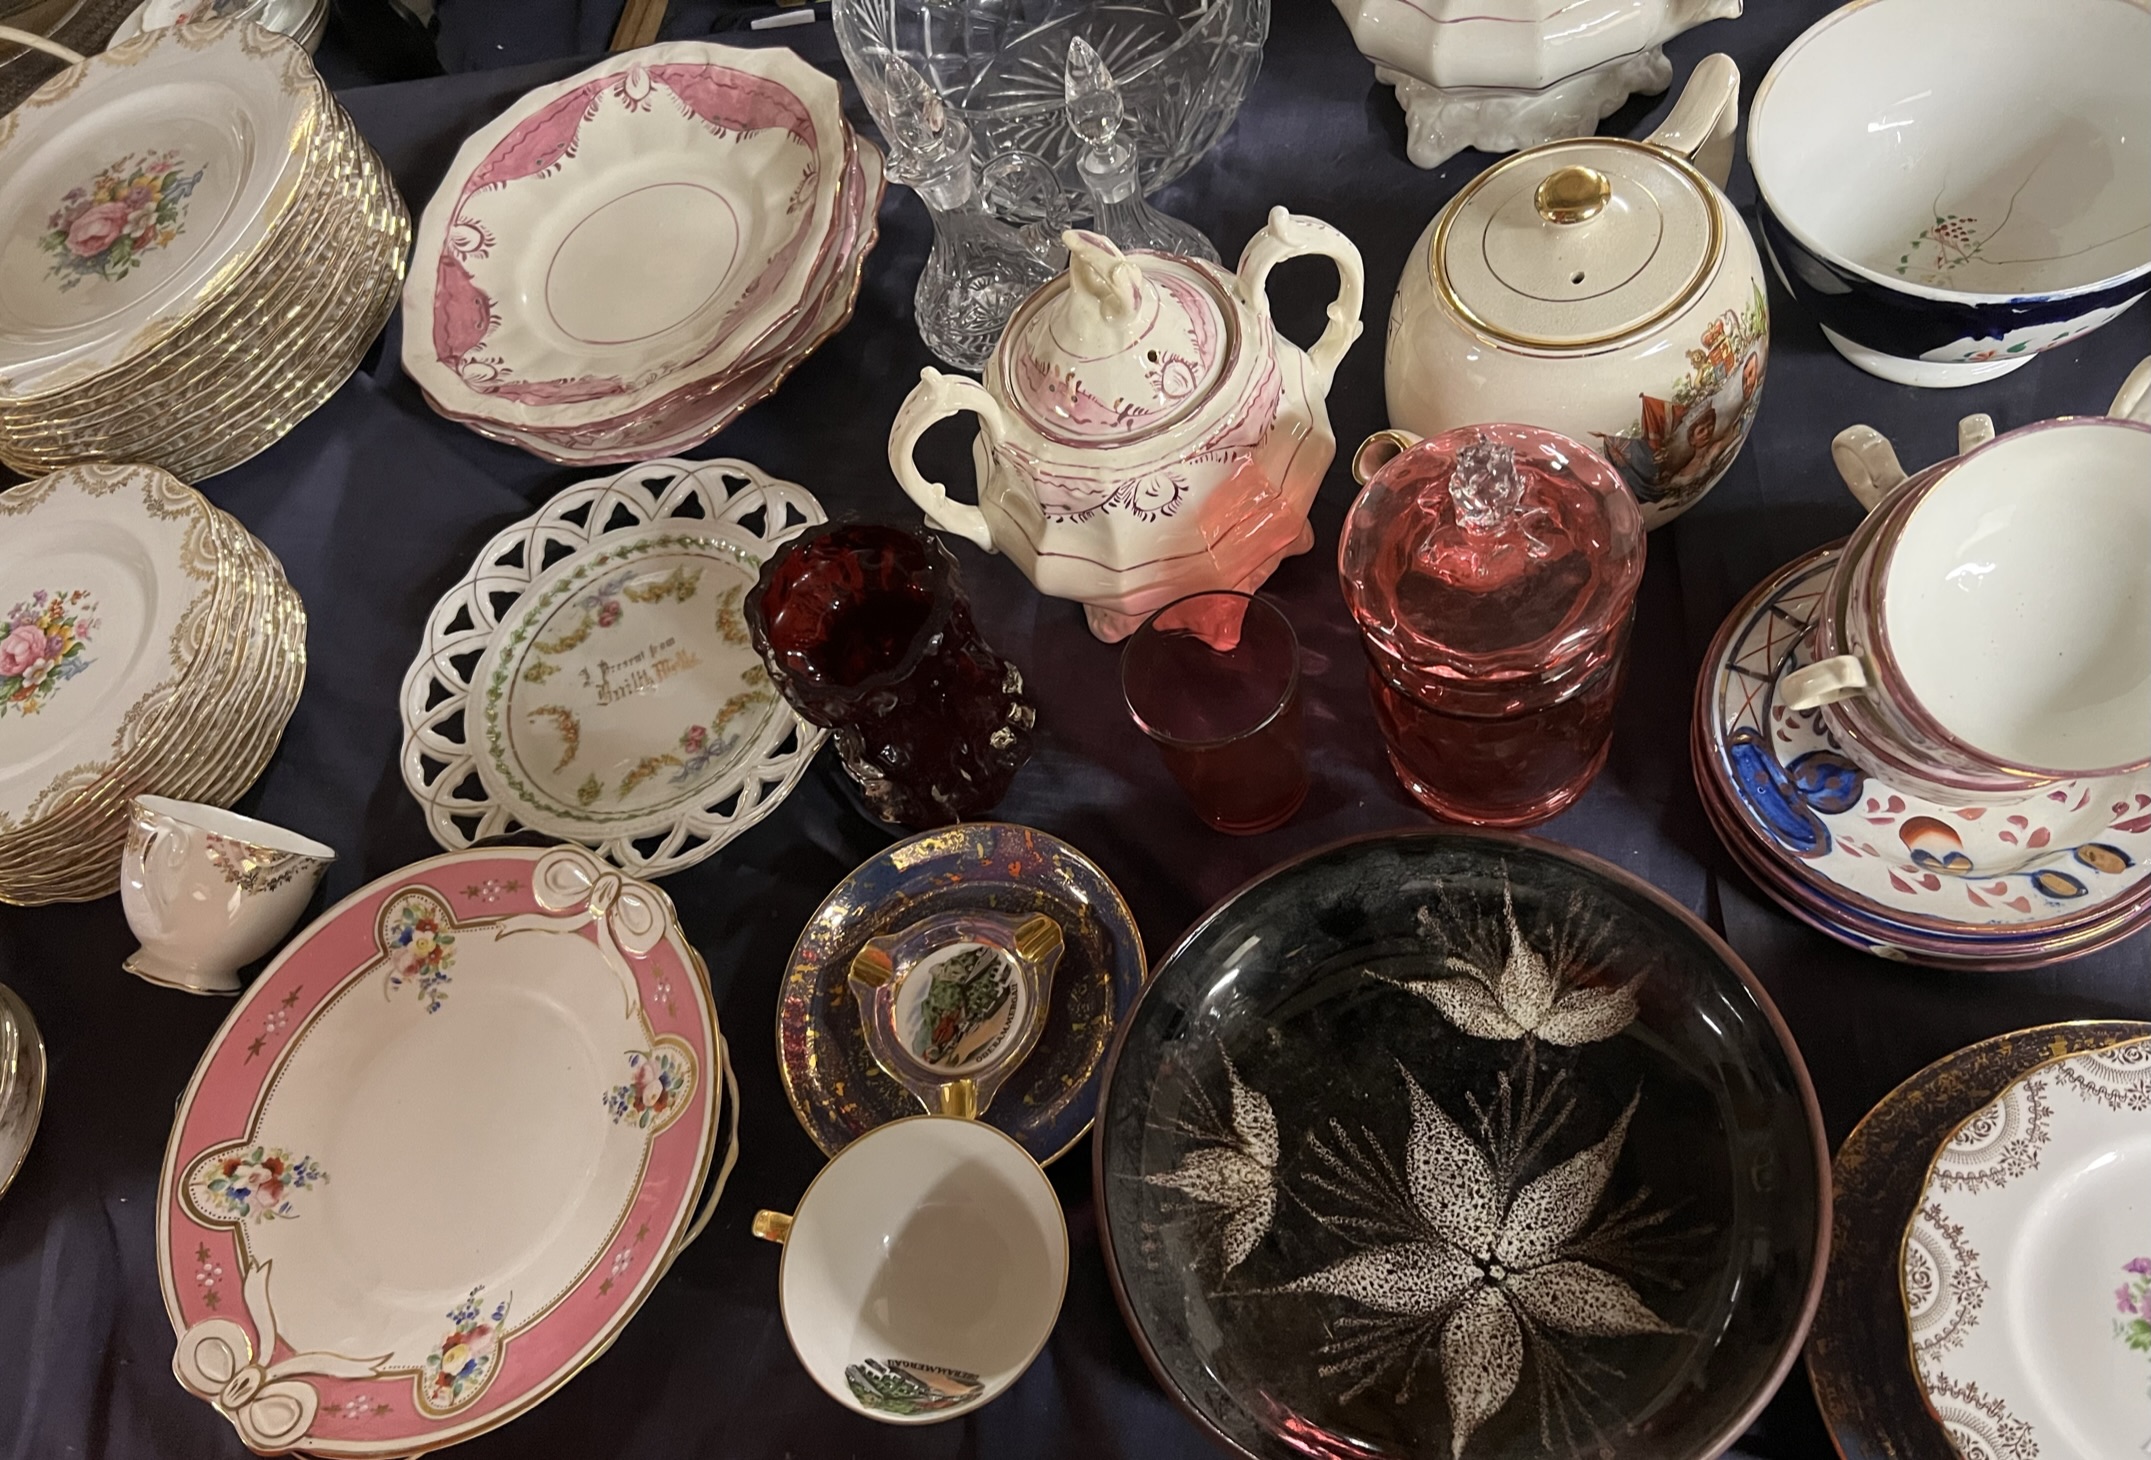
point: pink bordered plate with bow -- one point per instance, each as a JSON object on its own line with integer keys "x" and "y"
{"x": 437, "y": 1156}
{"x": 617, "y": 235}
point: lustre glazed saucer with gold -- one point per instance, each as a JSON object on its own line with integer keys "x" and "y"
{"x": 1010, "y": 872}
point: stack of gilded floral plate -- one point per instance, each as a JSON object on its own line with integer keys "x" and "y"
{"x": 627, "y": 259}
{"x": 196, "y": 248}
{"x": 149, "y": 644}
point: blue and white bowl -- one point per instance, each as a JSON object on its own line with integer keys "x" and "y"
{"x": 1952, "y": 186}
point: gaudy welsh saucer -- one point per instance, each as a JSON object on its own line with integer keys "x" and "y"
{"x": 1880, "y": 867}
{"x": 838, "y": 1091}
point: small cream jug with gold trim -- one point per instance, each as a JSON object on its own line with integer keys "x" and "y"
{"x": 1602, "y": 288}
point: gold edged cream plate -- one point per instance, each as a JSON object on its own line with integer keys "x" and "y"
{"x": 1859, "y": 1353}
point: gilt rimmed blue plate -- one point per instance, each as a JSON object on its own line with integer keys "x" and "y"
{"x": 1461, "y": 1145}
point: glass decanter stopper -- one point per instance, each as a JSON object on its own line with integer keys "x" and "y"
{"x": 980, "y": 268}
{"x": 1109, "y": 168}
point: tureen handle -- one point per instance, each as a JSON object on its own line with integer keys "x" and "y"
{"x": 1288, "y": 235}
{"x": 1700, "y": 126}
{"x": 935, "y": 398}
{"x": 2133, "y": 401}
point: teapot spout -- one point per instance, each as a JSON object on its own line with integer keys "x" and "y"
{"x": 1378, "y": 450}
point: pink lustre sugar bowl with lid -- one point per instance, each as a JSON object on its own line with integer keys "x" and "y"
{"x": 1144, "y": 430}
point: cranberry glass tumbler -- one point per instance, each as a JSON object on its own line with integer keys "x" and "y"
{"x": 866, "y": 631}
{"x": 1492, "y": 571}
{"x": 1214, "y": 680}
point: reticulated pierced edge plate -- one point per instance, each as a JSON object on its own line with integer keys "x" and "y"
{"x": 1859, "y": 1361}
{"x": 2026, "y": 1272}
{"x": 440, "y": 713}
{"x": 279, "y": 1167}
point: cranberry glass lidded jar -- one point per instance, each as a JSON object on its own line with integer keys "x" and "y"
{"x": 1492, "y": 571}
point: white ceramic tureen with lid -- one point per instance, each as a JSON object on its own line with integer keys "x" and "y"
{"x": 1503, "y": 74}
{"x": 1602, "y": 288}
{"x": 1144, "y": 430}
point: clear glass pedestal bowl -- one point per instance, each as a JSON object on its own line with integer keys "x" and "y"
{"x": 1183, "y": 67}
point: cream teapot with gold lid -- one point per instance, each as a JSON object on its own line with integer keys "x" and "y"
{"x": 1602, "y": 288}
{"x": 1144, "y": 430}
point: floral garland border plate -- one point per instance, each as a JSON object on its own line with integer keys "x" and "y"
{"x": 1461, "y": 1143}
{"x": 1858, "y": 1357}
{"x": 2025, "y": 1271}
{"x": 305, "y": 1312}
{"x": 524, "y": 596}
{"x": 2066, "y": 857}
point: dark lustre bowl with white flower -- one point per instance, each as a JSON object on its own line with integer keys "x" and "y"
{"x": 1464, "y": 1146}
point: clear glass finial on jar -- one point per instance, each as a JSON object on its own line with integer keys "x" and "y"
{"x": 1492, "y": 571}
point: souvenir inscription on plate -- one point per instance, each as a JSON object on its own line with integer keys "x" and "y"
{"x": 627, "y": 685}
{"x": 1434, "y": 1161}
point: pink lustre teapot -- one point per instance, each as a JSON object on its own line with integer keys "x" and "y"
{"x": 1144, "y": 431}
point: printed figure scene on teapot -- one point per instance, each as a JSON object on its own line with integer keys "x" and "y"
{"x": 629, "y": 685}
{"x": 2059, "y": 848}
{"x": 1680, "y": 443}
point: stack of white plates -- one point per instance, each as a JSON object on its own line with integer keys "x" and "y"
{"x": 196, "y": 248}
{"x": 150, "y": 644}
{"x": 627, "y": 259}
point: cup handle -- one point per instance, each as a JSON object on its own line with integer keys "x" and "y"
{"x": 935, "y": 398}
{"x": 1868, "y": 464}
{"x": 773, "y": 1226}
{"x": 2133, "y": 401}
{"x": 1288, "y": 235}
{"x": 1824, "y": 682}
{"x": 162, "y": 848}
{"x": 1974, "y": 431}
{"x": 1700, "y": 126}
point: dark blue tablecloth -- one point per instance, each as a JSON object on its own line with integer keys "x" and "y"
{"x": 376, "y": 506}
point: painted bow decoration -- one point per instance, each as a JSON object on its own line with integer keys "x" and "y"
{"x": 627, "y": 914}
{"x": 271, "y": 1410}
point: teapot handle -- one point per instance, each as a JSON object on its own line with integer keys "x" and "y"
{"x": 935, "y": 398}
{"x": 1288, "y": 235}
{"x": 1700, "y": 126}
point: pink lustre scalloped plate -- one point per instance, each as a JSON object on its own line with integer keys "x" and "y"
{"x": 624, "y": 232}
{"x": 436, "y": 1158}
